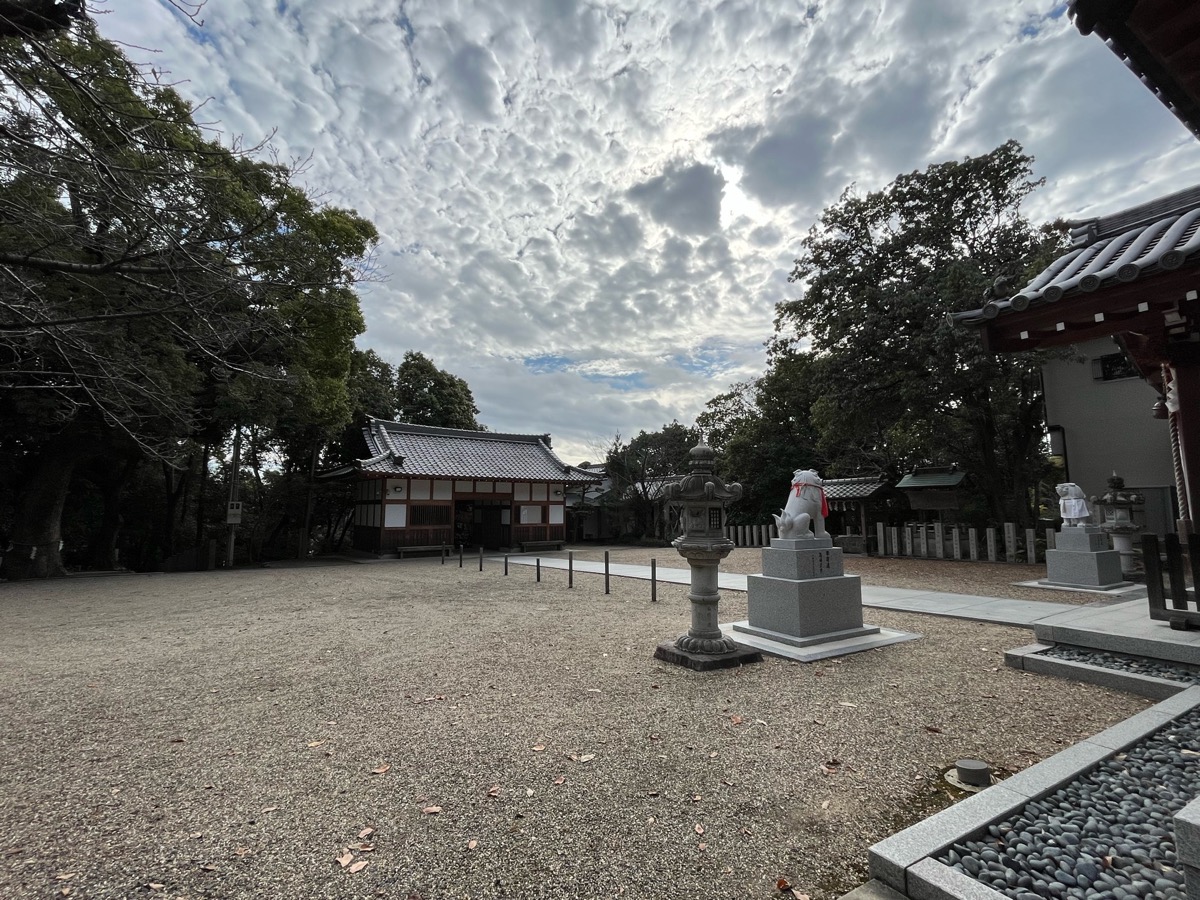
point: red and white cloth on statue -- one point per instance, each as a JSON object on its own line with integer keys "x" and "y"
{"x": 799, "y": 485}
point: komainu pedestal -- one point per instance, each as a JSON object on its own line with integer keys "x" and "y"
{"x": 804, "y": 600}
{"x": 1081, "y": 558}
{"x": 803, "y": 595}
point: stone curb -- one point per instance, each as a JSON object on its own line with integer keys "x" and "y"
{"x": 1029, "y": 659}
{"x": 904, "y": 861}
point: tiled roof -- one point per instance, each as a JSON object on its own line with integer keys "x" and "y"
{"x": 422, "y": 451}
{"x": 939, "y": 477}
{"x": 1158, "y": 236}
{"x": 853, "y": 488}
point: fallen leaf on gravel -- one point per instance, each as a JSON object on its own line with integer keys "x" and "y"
{"x": 851, "y": 705}
{"x": 736, "y": 720}
{"x": 268, "y": 809}
{"x": 560, "y": 779}
{"x": 825, "y": 804}
{"x": 208, "y": 867}
{"x": 702, "y": 846}
{"x": 713, "y": 755}
{"x": 431, "y": 810}
{"x": 699, "y": 828}
{"x": 587, "y": 757}
{"x": 593, "y": 690}
{"x": 345, "y": 859}
{"x": 471, "y": 845}
{"x": 759, "y": 722}
{"x": 827, "y": 769}
{"x": 380, "y": 770}
{"x": 242, "y": 851}
{"x": 366, "y": 832}
{"x": 651, "y": 820}
{"x": 155, "y": 886}
{"x": 933, "y": 729}
{"x": 494, "y": 791}
{"x": 538, "y": 748}
{"x": 697, "y": 798}
{"x": 727, "y": 783}
{"x": 364, "y": 847}
{"x": 65, "y": 892}
{"x": 178, "y": 740}
{"x": 358, "y": 866}
{"x": 798, "y": 895}
{"x": 783, "y": 884}
{"x": 197, "y": 834}
{"x": 315, "y": 743}
{"x": 65, "y": 876}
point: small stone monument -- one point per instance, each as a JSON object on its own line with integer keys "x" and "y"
{"x": 803, "y": 605}
{"x": 1081, "y": 557}
{"x": 702, "y": 542}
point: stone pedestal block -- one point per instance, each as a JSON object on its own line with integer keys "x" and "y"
{"x": 812, "y": 608}
{"x": 803, "y": 607}
{"x": 796, "y": 565}
{"x": 1081, "y": 558}
{"x": 1089, "y": 539}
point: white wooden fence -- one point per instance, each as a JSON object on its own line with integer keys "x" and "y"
{"x": 930, "y": 541}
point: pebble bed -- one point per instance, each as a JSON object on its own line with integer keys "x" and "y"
{"x": 1134, "y": 664}
{"x": 1108, "y": 835}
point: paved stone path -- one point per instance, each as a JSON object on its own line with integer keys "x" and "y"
{"x": 999, "y": 611}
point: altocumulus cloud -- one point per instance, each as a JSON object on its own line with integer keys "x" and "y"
{"x": 589, "y": 209}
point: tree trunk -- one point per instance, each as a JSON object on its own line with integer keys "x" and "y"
{"x": 201, "y": 496}
{"x": 175, "y": 484}
{"x": 103, "y": 554}
{"x": 37, "y": 530}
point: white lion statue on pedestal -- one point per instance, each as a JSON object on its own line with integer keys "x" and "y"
{"x": 804, "y": 514}
{"x": 1072, "y": 505}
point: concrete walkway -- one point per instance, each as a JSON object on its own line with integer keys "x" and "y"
{"x": 1022, "y": 613}
{"x": 1119, "y": 622}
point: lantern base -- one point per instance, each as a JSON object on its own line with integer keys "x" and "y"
{"x": 706, "y": 662}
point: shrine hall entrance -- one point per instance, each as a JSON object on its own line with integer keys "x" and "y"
{"x": 481, "y": 523}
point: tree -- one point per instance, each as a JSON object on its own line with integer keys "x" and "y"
{"x": 427, "y": 395}
{"x": 899, "y": 385}
{"x": 639, "y": 469}
{"x": 764, "y": 432}
{"x": 156, "y": 288}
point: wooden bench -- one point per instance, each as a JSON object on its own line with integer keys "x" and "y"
{"x": 526, "y": 546}
{"x": 439, "y": 548}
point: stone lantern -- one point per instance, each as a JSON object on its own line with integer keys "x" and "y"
{"x": 1121, "y": 512}
{"x": 701, "y": 497}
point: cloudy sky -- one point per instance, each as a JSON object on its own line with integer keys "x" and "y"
{"x": 589, "y": 209}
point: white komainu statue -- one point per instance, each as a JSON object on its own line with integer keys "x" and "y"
{"x": 806, "y": 509}
{"x": 1072, "y": 505}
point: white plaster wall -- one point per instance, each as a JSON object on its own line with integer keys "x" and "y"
{"x": 1107, "y": 424}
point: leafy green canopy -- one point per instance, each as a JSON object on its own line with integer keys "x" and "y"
{"x": 762, "y": 431}
{"x": 640, "y": 468}
{"x": 156, "y": 287}
{"x": 427, "y": 395}
{"x": 153, "y": 282}
{"x": 898, "y": 385}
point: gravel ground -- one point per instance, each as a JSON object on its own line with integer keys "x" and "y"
{"x": 232, "y": 734}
